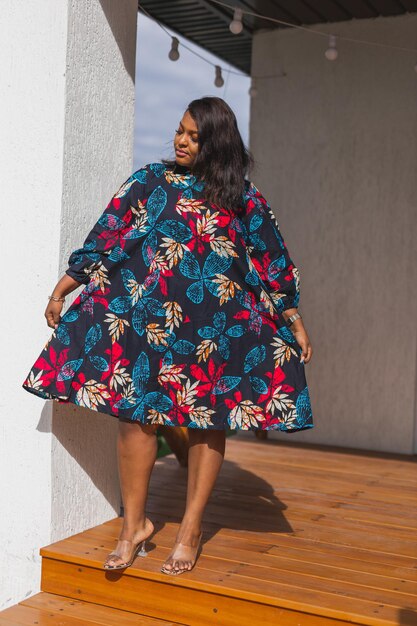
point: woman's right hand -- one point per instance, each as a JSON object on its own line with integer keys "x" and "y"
{"x": 53, "y": 313}
{"x": 64, "y": 286}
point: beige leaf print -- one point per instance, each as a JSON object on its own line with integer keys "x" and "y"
{"x": 226, "y": 288}
{"x": 156, "y": 417}
{"x": 282, "y": 351}
{"x": 174, "y": 250}
{"x": 98, "y": 274}
{"x": 204, "y": 349}
{"x": 159, "y": 263}
{"x": 116, "y": 326}
{"x": 280, "y": 402}
{"x": 120, "y": 377}
{"x": 188, "y": 205}
{"x": 174, "y": 314}
{"x": 141, "y": 217}
{"x": 201, "y": 416}
{"x": 186, "y": 395}
{"x": 246, "y": 414}
{"x": 207, "y": 224}
{"x": 91, "y": 394}
{"x": 171, "y": 373}
{"x": 156, "y": 335}
{"x": 223, "y": 246}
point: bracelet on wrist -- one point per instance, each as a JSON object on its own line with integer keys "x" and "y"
{"x": 56, "y": 299}
{"x": 291, "y": 319}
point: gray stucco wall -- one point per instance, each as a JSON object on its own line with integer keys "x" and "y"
{"x": 337, "y": 156}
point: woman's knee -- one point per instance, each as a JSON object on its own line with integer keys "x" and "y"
{"x": 127, "y": 427}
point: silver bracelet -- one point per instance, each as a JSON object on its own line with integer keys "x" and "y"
{"x": 292, "y": 318}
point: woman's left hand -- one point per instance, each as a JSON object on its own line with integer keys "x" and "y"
{"x": 303, "y": 341}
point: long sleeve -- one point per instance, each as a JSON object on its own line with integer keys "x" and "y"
{"x": 105, "y": 244}
{"x": 268, "y": 251}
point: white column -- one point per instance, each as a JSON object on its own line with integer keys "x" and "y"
{"x": 67, "y": 112}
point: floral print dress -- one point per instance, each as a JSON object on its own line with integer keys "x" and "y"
{"x": 180, "y": 319}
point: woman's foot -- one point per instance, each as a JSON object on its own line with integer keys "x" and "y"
{"x": 127, "y": 545}
{"x": 184, "y": 553}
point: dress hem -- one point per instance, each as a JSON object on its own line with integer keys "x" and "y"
{"x": 64, "y": 400}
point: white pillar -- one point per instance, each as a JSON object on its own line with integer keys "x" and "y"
{"x": 67, "y": 112}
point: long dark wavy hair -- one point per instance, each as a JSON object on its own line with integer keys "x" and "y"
{"x": 223, "y": 160}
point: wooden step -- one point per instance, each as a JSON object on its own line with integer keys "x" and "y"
{"x": 47, "y": 609}
{"x": 241, "y": 579}
{"x": 293, "y": 536}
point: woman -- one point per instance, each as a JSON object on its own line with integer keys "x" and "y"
{"x": 183, "y": 321}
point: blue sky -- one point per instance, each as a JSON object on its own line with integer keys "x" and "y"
{"x": 164, "y": 88}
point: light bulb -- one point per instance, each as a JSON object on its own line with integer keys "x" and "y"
{"x": 252, "y": 91}
{"x": 218, "y": 81}
{"x": 173, "y": 54}
{"x": 236, "y": 25}
{"x": 331, "y": 52}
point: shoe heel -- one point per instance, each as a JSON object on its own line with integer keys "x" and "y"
{"x": 142, "y": 551}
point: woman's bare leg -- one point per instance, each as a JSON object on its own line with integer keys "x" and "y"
{"x": 205, "y": 458}
{"x": 136, "y": 452}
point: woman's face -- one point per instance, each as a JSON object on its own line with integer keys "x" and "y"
{"x": 186, "y": 141}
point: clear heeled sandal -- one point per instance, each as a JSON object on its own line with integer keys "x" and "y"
{"x": 175, "y": 572}
{"x": 139, "y": 549}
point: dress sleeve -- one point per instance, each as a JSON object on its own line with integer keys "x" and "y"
{"x": 268, "y": 251}
{"x": 105, "y": 244}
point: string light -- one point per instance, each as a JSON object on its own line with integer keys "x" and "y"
{"x": 331, "y": 52}
{"x": 174, "y": 55}
{"x": 253, "y": 92}
{"x": 200, "y": 56}
{"x": 218, "y": 81}
{"x": 314, "y": 31}
{"x": 236, "y": 25}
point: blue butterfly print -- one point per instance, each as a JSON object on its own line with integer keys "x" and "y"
{"x": 170, "y": 228}
{"x": 213, "y": 265}
{"x": 188, "y": 184}
{"x": 153, "y": 399}
{"x": 139, "y": 299}
{"x": 218, "y": 330}
{"x": 182, "y": 346}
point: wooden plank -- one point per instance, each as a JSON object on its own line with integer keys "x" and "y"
{"x": 274, "y": 567}
{"x": 321, "y": 455}
{"x": 252, "y": 540}
{"x": 284, "y": 546}
{"x": 402, "y": 515}
{"x": 47, "y": 609}
{"x": 249, "y": 504}
{"x": 349, "y": 535}
{"x": 204, "y": 606}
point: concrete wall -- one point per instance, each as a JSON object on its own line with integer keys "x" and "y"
{"x": 67, "y": 137}
{"x": 98, "y": 157}
{"x": 337, "y": 157}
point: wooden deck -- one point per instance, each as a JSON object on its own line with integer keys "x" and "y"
{"x": 295, "y": 534}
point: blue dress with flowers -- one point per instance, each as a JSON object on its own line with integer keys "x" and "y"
{"x": 180, "y": 319}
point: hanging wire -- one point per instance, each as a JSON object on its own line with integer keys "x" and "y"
{"x": 224, "y": 69}
{"x": 275, "y": 20}
{"x": 313, "y": 30}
